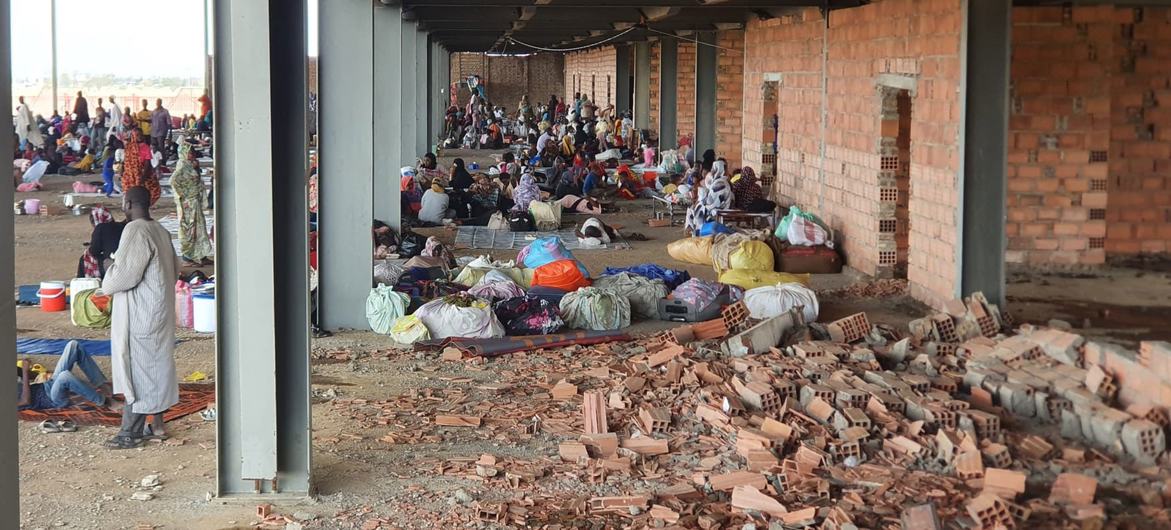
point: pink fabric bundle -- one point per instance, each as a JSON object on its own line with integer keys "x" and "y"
{"x": 82, "y": 187}
{"x": 29, "y": 186}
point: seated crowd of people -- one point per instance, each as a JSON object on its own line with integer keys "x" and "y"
{"x": 576, "y": 155}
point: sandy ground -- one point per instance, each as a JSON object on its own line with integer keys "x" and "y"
{"x": 70, "y": 480}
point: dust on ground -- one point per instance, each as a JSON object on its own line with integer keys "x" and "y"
{"x": 69, "y": 480}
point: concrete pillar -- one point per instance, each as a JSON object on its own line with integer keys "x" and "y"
{"x": 422, "y": 52}
{"x": 408, "y": 101}
{"x": 668, "y": 95}
{"x": 9, "y": 442}
{"x": 346, "y": 192}
{"x": 642, "y": 85}
{"x": 705, "y": 93}
{"x": 387, "y": 152}
{"x": 987, "y": 43}
{"x": 262, "y": 343}
{"x": 622, "y": 70}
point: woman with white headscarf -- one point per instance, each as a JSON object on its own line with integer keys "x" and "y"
{"x": 714, "y": 194}
{"x": 526, "y": 192}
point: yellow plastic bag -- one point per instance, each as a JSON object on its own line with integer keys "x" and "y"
{"x": 752, "y": 255}
{"x": 751, "y": 279}
{"x": 409, "y": 330}
{"x": 696, "y": 250}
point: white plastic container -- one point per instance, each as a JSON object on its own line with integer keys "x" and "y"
{"x": 203, "y": 304}
{"x": 78, "y": 285}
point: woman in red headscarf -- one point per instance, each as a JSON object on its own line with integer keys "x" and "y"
{"x": 137, "y": 169}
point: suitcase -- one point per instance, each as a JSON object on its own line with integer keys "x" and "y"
{"x": 810, "y": 260}
{"x": 673, "y": 310}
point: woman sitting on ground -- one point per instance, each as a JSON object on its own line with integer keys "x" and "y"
{"x": 714, "y": 194}
{"x": 434, "y": 208}
{"x": 525, "y": 193}
{"x": 749, "y": 194}
{"x": 103, "y": 243}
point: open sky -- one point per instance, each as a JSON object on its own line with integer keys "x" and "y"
{"x": 124, "y": 38}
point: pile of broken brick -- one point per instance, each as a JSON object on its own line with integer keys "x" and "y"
{"x": 964, "y": 422}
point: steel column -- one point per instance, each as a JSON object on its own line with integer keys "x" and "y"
{"x": 622, "y": 71}
{"x": 987, "y": 44}
{"x": 668, "y": 94}
{"x": 346, "y": 192}
{"x": 263, "y": 434}
{"x": 407, "y": 72}
{"x": 705, "y": 92}
{"x": 642, "y": 85}
{"x": 53, "y": 52}
{"x": 9, "y": 441}
{"x": 422, "y": 52}
{"x": 388, "y": 114}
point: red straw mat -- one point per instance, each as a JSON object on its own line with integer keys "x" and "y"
{"x": 193, "y": 398}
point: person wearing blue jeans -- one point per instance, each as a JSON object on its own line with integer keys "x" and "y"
{"x": 59, "y": 390}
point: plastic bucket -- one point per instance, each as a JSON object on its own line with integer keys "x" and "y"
{"x": 203, "y": 305}
{"x": 32, "y": 206}
{"x": 52, "y": 295}
{"x": 78, "y": 285}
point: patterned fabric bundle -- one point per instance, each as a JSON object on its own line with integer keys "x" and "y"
{"x": 643, "y": 293}
{"x": 697, "y": 293}
{"x": 595, "y": 309}
{"x": 498, "y": 290}
{"x": 529, "y": 315}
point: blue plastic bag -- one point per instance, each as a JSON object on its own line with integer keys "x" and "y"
{"x": 671, "y": 277}
{"x": 712, "y": 228}
{"x": 547, "y": 250}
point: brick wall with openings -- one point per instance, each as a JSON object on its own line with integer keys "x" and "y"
{"x": 508, "y": 78}
{"x": 1060, "y": 114}
{"x": 730, "y": 96}
{"x": 656, "y": 62}
{"x": 1138, "y": 214}
{"x": 685, "y": 91}
{"x": 919, "y": 39}
{"x": 593, "y": 73}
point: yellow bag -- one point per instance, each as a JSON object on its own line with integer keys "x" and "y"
{"x": 751, "y": 279}
{"x": 752, "y": 255}
{"x": 696, "y": 250}
{"x": 409, "y": 330}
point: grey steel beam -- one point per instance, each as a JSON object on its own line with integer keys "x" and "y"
{"x": 408, "y": 101}
{"x": 668, "y": 94}
{"x": 705, "y": 92}
{"x": 9, "y": 441}
{"x": 263, "y": 434}
{"x": 622, "y": 101}
{"x": 984, "y": 152}
{"x": 422, "y": 51}
{"x": 642, "y": 85}
{"x": 346, "y": 191}
{"x": 388, "y": 115}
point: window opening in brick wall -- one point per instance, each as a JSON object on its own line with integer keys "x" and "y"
{"x": 608, "y": 95}
{"x": 594, "y": 89}
{"x": 1099, "y": 156}
{"x": 1097, "y": 242}
{"x": 1098, "y": 185}
{"x": 1097, "y": 214}
{"x": 770, "y": 138}
{"x": 894, "y": 177}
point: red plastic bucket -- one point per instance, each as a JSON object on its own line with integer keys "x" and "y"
{"x": 52, "y": 300}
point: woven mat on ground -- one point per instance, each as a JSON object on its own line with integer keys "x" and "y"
{"x": 482, "y": 237}
{"x": 501, "y": 346}
{"x": 192, "y": 398}
{"x": 171, "y": 223}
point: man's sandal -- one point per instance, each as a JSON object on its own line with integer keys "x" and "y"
{"x": 123, "y": 442}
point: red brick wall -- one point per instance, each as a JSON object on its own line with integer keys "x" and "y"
{"x": 1139, "y": 210}
{"x": 508, "y": 78}
{"x": 730, "y": 96}
{"x": 685, "y": 91}
{"x": 594, "y": 73}
{"x": 913, "y": 38}
{"x": 1090, "y": 136}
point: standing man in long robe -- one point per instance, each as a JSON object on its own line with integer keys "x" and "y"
{"x": 142, "y": 332}
{"x": 27, "y": 127}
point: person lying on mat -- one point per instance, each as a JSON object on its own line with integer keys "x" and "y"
{"x": 63, "y": 388}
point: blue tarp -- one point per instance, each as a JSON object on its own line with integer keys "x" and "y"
{"x": 56, "y": 346}
{"x": 671, "y": 277}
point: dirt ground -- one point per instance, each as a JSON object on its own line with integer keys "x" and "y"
{"x": 69, "y": 480}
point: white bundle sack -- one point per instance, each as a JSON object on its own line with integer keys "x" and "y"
{"x": 498, "y": 290}
{"x": 773, "y": 300}
{"x": 445, "y": 319}
{"x": 384, "y": 306}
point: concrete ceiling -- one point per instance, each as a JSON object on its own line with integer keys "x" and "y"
{"x": 503, "y": 25}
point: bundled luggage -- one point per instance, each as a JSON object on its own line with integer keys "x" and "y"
{"x": 529, "y": 315}
{"x": 595, "y": 309}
